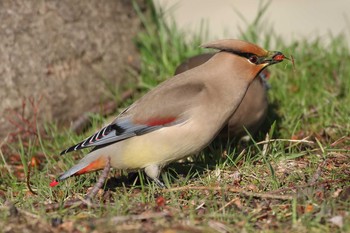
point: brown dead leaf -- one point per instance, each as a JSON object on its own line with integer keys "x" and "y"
{"x": 309, "y": 208}
{"x": 319, "y": 194}
{"x": 299, "y": 135}
{"x": 252, "y": 187}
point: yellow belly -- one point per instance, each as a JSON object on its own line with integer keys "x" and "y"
{"x": 139, "y": 152}
{"x": 158, "y": 147}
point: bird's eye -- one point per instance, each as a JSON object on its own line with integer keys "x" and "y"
{"x": 253, "y": 59}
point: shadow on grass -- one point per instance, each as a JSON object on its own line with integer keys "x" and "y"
{"x": 174, "y": 172}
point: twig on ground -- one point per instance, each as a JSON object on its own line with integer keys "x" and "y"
{"x": 286, "y": 140}
{"x": 29, "y": 167}
{"x": 233, "y": 190}
{"x": 145, "y": 216}
{"x": 340, "y": 140}
{"x": 228, "y": 204}
{"x": 269, "y": 195}
{"x": 308, "y": 185}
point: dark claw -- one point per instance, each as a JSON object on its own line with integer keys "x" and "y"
{"x": 159, "y": 183}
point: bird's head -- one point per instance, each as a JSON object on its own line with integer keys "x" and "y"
{"x": 257, "y": 57}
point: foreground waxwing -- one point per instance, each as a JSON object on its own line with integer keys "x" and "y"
{"x": 252, "y": 111}
{"x": 179, "y": 117}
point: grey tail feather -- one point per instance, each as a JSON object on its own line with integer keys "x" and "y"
{"x": 72, "y": 171}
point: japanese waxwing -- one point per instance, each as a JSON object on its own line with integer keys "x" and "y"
{"x": 179, "y": 117}
{"x": 252, "y": 111}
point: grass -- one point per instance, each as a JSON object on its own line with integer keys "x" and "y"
{"x": 226, "y": 179}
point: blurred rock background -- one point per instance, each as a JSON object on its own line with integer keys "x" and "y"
{"x": 60, "y": 58}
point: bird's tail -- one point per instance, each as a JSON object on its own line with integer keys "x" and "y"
{"x": 89, "y": 163}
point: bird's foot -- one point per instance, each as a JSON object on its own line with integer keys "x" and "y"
{"x": 159, "y": 183}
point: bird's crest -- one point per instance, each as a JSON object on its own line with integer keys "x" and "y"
{"x": 236, "y": 46}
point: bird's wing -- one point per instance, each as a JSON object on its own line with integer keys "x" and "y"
{"x": 161, "y": 107}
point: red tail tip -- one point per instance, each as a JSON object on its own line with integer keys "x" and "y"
{"x": 53, "y": 183}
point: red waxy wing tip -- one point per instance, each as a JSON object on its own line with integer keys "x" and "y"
{"x": 53, "y": 183}
{"x": 160, "y": 121}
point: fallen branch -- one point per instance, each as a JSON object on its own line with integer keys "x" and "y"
{"x": 309, "y": 185}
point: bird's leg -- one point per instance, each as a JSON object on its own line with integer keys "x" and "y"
{"x": 153, "y": 171}
{"x": 100, "y": 181}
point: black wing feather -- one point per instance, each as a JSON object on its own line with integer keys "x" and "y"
{"x": 118, "y": 130}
